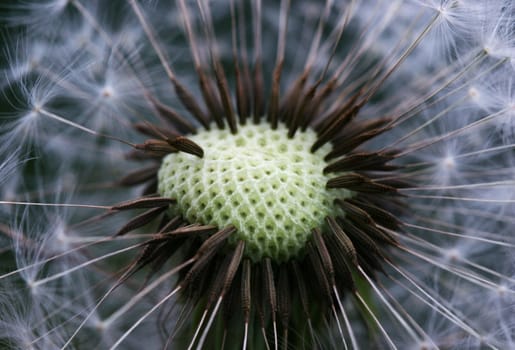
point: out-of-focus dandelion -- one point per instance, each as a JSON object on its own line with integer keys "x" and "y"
{"x": 254, "y": 174}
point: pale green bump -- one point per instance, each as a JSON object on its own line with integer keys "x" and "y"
{"x": 270, "y": 187}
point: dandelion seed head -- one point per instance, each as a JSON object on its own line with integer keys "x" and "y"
{"x": 374, "y": 140}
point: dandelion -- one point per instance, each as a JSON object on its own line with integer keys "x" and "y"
{"x": 257, "y": 175}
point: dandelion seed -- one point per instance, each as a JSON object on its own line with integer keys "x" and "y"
{"x": 259, "y": 176}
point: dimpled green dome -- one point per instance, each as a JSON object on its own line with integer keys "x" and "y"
{"x": 270, "y": 187}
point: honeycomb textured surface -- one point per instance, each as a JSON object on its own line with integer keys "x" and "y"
{"x": 270, "y": 187}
